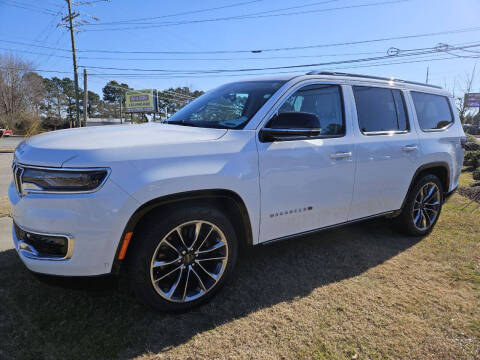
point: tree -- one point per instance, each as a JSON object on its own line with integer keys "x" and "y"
{"x": 20, "y": 93}
{"x": 466, "y": 87}
{"x": 68, "y": 90}
{"x": 114, "y": 93}
{"x": 54, "y": 98}
{"x": 173, "y": 100}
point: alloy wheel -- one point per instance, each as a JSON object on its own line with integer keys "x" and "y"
{"x": 189, "y": 261}
{"x": 426, "y": 206}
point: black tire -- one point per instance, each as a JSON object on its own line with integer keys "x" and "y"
{"x": 405, "y": 222}
{"x": 147, "y": 240}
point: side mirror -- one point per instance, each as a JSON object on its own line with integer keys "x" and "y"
{"x": 288, "y": 125}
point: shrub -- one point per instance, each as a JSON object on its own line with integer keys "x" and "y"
{"x": 476, "y": 175}
{"x": 472, "y": 158}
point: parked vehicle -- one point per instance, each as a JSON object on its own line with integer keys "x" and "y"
{"x": 5, "y": 132}
{"x": 248, "y": 163}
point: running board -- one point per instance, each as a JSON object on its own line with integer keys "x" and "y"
{"x": 309, "y": 232}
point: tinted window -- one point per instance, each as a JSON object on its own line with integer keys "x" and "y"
{"x": 380, "y": 109}
{"x": 433, "y": 111}
{"x": 325, "y": 101}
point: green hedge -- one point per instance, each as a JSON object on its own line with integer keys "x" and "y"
{"x": 472, "y": 158}
{"x": 476, "y": 175}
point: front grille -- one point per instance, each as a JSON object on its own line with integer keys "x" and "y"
{"x": 44, "y": 245}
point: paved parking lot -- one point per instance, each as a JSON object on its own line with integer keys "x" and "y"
{"x": 5, "y": 222}
{"x": 10, "y": 142}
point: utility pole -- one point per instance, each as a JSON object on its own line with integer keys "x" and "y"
{"x": 85, "y": 97}
{"x": 75, "y": 72}
{"x": 428, "y": 68}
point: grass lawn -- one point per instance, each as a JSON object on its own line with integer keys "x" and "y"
{"x": 359, "y": 292}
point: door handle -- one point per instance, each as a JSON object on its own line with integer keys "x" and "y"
{"x": 409, "y": 148}
{"x": 341, "y": 155}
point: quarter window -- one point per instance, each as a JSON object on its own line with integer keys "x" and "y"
{"x": 380, "y": 109}
{"x": 433, "y": 111}
{"x": 325, "y": 101}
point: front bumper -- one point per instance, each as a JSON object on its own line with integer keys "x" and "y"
{"x": 93, "y": 224}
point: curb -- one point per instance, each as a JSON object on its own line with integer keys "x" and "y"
{"x": 7, "y": 150}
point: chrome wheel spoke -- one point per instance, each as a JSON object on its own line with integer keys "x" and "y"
{"x": 159, "y": 263}
{"x": 186, "y": 284}
{"x": 417, "y": 217}
{"x": 430, "y": 192}
{"x": 205, "y": 239}
{"x": 200, "y": 282}
{"x": 217, "y": 246}
{"x": 168, "y": 274}
{"x": 170, "y": 245}
{"x": 179, "y": 232}
{"x": 198, "y": 228}
{"x": 213, "y": 276}
{"x": 175, "y": 284}
{"x": 220, "y": 258}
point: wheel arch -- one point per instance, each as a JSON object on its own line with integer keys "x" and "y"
{"x": 439, "y": 169}
{"x": 226, "y": 200}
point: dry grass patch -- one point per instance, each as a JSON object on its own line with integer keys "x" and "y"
{"x": 4, "y": 206}
{"x": 359, "y": 292}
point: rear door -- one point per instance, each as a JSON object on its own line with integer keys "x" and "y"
{"x": 387, "y": 150}
{"x": 307, "y": 183}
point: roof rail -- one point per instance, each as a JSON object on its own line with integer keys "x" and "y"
{"x": 335, "y": 73}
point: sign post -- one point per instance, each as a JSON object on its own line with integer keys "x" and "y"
{"x": 472, "y": 100}
{"x": 141, "y": 101}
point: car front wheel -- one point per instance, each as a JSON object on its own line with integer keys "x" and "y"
{"x": 181, "y": 259}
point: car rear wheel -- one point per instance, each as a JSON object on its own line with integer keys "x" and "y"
{"x": 182, "y": 259}
{"x": 423, "y": 206}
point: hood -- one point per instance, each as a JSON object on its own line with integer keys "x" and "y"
{"x": 56, "y": 147}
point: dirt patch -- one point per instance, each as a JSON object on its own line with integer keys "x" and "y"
{"x": 472, "y": 192}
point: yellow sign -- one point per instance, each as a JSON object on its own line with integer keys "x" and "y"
{"x": 139, "y": 101}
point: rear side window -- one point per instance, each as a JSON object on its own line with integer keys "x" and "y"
{"x": 380, "y": 109}
{"x": 433, "y": 111}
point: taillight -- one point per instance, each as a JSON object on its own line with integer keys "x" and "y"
{"x": 463, "y": 142}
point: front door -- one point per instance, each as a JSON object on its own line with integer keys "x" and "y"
{"x": 307, "y": 183}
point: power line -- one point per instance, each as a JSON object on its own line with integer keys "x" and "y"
{"x": 358, "y": 42}
{"x": 406, "y": 53}
{"x": 254, "y": 16}
{"x": 200, "y": 59}
{"x": 348, "y": 43}
{"x": 162, "y": 76}
{"x": 32, "y": 70}
{"x": 181, "y": 13}
{"x": 31, "y": 7}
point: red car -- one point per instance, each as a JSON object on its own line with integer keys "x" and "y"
{"x": 5, "y": 132}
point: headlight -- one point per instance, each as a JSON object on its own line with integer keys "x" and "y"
{"x": 65, "y": 180}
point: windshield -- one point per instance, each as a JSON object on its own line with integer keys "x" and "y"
{"x": 230, "y": 106}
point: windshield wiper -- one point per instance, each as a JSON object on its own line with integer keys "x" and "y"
{"x": 179, "y": 122}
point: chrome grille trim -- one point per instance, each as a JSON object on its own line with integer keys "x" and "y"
{"x": 17, "y": 178}
{"x": 30, "y": 252}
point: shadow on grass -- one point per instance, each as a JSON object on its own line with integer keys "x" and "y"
{"x": 39, "y": 321}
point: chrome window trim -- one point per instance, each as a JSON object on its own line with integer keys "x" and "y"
{"x": 393, "y": 132}
{"x": 23, "y": 191}
{"x": 26, "y": 249}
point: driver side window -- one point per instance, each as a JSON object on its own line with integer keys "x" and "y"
{"x": 325, "y": 101}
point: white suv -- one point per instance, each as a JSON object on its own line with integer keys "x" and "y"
{"x": 247, "y": 163}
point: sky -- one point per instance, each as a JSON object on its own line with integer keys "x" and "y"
{"x": 191, "y": 37}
